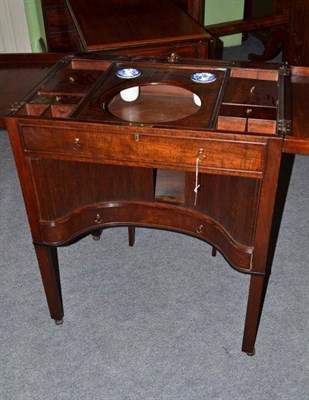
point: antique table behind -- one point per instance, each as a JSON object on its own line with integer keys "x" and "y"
{"x": 152, "y": 27}
{"x": 203, "y": 159}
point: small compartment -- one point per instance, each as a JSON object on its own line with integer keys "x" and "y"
{"x": 231, "y": 124}
{"x": 32, "y": 109}
{"x": 50, "y": 106}
{"x": 70, "y": 81}
{"x": 261, "y": 126}
{"x": 251, "y": 92}
{"x": 247, "y": 119}
{"x": 58, "y": 111}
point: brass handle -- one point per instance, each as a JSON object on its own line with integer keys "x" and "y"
{"x": 199, "y": 229}
{"x": 98, "y": 219}
{"x": 173, "y": 58}
{"x": 77, "y": 145}
{"x": 249, "y": 111}
{"x": 201, "y": 155}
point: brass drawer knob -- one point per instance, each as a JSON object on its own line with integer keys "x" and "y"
{"x": 98, "y": 219}
{"x": 199, "y": 229}
{"x": 173, "y": 58}
{"x": 77, "y": 145}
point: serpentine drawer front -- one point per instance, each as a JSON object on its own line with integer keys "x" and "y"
{"x": 191, "y": 147}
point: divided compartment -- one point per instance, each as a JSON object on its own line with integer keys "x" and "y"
{"x": 250, "y": 102}
{"x": 60, "y": 95}
{"x": 247, "y": 119}
{"x": 50, "y": 106}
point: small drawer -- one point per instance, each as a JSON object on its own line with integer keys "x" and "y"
{"x": 249, "y": 125}
{"x": 148, "y": 215}
{"x": 251, "y": 119}
{"x": 149, "y": 150}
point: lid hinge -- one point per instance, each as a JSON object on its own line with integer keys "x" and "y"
{"x": 15, "y": 107}
{"x": 173, "y": 58}
{"x": 285, "y": 70}
{"x": 284, "y": 127}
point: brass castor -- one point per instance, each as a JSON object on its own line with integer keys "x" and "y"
{"x": 251, "y": 354}
{"x": 96, "y": 237}
{"x": 58, "y": 321}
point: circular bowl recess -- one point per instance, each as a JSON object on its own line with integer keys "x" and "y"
{"x": 156, "y": 103}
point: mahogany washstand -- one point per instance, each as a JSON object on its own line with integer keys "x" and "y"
{"x": 202, "y": 158}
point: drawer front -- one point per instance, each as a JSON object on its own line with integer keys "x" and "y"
{"x": 194, "y": 49}
{"x": 149, "y": 150}
{"x": 147, "y": 215}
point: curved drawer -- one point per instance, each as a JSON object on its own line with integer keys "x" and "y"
{"x": 150, "y": 215}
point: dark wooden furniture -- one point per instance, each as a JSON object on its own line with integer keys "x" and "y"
{"x": 206, "y": 165}
{"x": 152, "y": 27}
{"x": 60, "y": 31}
{"x": 194, "y": 8}
{"x": 20, "y": 73}
{"x": 282, "y": 25}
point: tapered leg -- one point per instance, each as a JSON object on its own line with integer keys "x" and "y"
{"x": 96, "y": 235}
{"x": 257, "y": 291}
{"x": 49, "y": 268}
{"x": 131, "y": 233}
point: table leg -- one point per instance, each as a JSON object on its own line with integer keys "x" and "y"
{"x": 213, "y": 251}
{"x": 96, "y": 235}
{"x": 257, "y": 291}
{"x": 131, "y": 233}
{"x": 49, "y": 268}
